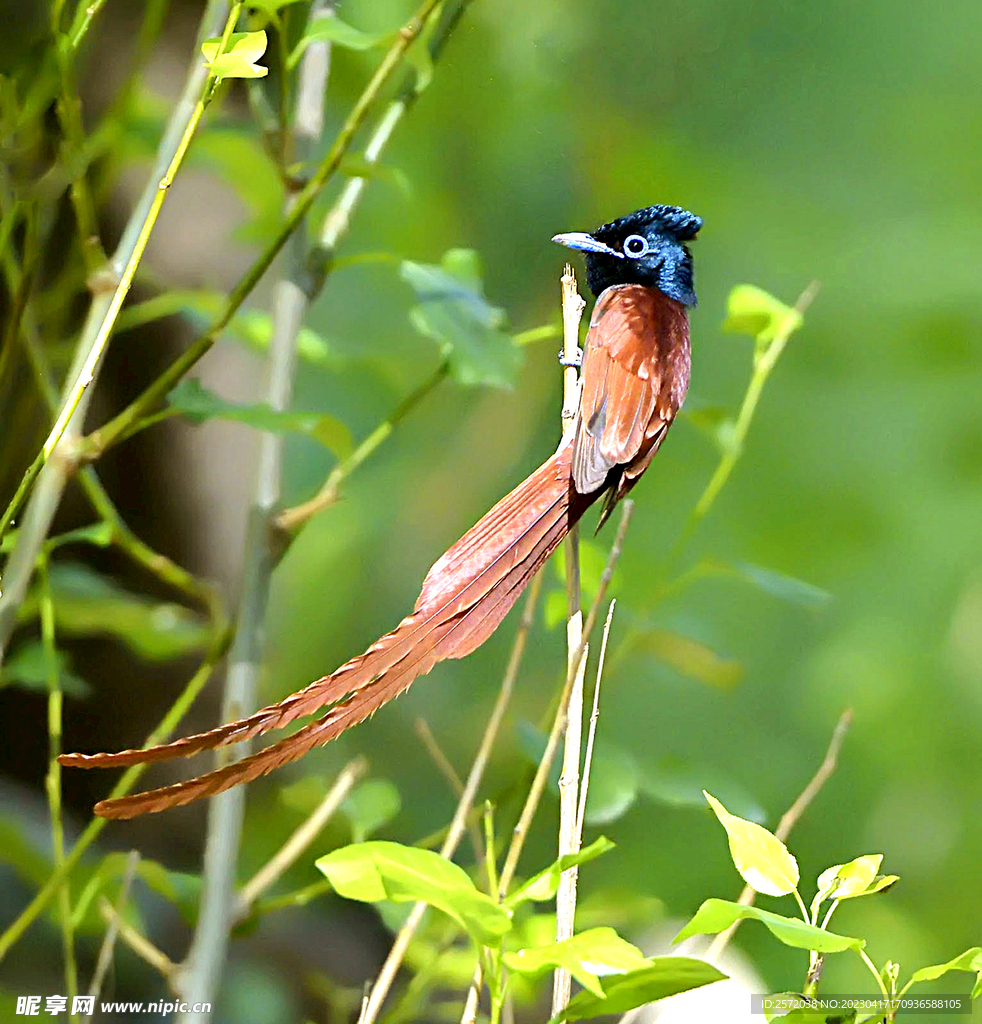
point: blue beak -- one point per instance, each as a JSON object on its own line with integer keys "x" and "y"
{"x": 585, "y": 243}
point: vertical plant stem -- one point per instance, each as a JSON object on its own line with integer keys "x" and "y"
{"x": 51, "y": 480}
{"x": 594, "y": 718}
{"x": 127, "y": 421}
{"x": 200, "y": 975}
{"x": 53, "y": 779}
{"x": 788, "y": 821}
{"x": 762, "y": 370}
{"x": 458, "y": 825}
{"x": 93, "y": 357}
{"x": 569, "y": 779}
{"x": 126, "y": 783}
{"x": 302, "y": 837}
{"x": 105, "y": 958}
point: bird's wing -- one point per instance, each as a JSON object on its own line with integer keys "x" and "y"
{"x": 622, "y": 379}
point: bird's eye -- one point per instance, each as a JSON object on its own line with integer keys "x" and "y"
{"x": 635, "y": 246}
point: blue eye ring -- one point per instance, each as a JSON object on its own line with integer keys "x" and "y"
{"x": 636, "y": 246}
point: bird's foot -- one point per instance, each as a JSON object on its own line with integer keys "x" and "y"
{"x": 574, "y": 360}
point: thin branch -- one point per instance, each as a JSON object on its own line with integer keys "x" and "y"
{"x": 290, "y": 520}
{"x": 447, "y": 770}
{"x": 140, "y": 944}
{"x": 569, "y": 779}
{"x": 762, "y": 370}
{"x": 127, "y": 781}
{"x": 594, "y": 718}
{"x": 294, "y": 847}
{"x": 573, "y": 306}
{"x": 788, "y": 821}
{"x": 122, "y": 425}
{"x": 47, "y": 491}
{"x": 790, "y": 817}
{"x": 157, "y": 564}
{"x": 459, "y": 823}
{"x": 87, "y": 371}
{"x": 105, "y": 958}
{"x": 53, "y": 778}
{"x": 200, "y": 975}
{"x": 531, "y": 803}
{"x": 439, "y": 758}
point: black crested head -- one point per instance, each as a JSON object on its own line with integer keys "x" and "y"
{"x": 645, "y": 247}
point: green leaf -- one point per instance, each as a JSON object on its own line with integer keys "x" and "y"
{"x": 371, "y": 805}
{"x": 252, "y": 326}
{"x": 593, "y": 561}
{"x": 378, "y": 870}
{"x": 613, "y": 783}
{"x": 783, "y": 586}
{"x": 270, "y": 7}
{"x": 751, "y": 310}
{"x": 224, "y": 150}
{"x": 239, "y": 58}
{"x": 543, "y": 885}
{"x": 196, "y": 403}
{"x": 87, "y": 603}
{"x": 27, "y": 668}
{"x": 760, "y": 857}
{"x": 717, "y": 915}
{"x": 807, "y": 1015}
{"x": 613, "y": 775}
{"x": 305, "y": 794}
{"x": 658, "y": 978}
{"x": 329, "y": 28}
{"x": 689, "y": 657}
{"x": 592, "y": 954}
{"x": 25, "y": 856}
{"x": 419, "y": 57}
{"x": 715, "y": 423}
{"x": 679, "y": 783}
{"x": 452, "y": 310}
{"x": 841, "y": 881}
{"x": 970, "y": 960}
{"x": 359, "y": 167}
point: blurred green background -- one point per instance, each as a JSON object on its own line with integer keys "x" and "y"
{"x": 835, "y": 141}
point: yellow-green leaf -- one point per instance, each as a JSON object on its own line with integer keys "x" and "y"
{"x": 751, "y": 310}
{"x": 589, "y": 956}
{"x": 717, "y": 915}
{"x": 238, "y": 60}
{"x": 760, "y": 857}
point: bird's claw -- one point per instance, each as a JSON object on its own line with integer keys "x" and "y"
{"x": 574, "y": 360}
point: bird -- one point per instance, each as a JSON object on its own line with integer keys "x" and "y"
{"x": 634, "y": 376}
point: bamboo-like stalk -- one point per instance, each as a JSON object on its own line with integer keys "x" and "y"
{"x": 200, "y": 975}
{"x": 569, "y": 779}
{"x": 53, "y": 474}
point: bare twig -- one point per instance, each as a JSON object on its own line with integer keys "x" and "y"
{"x": 573, "y": 306}
{"x": 447, "y": 770}
{"x": 129, "y": 420}
{"x": 569, "y": 779}
{"x": 290, "y": 520}
{"x": 594, "y": 718}
{"x": 105, "y": 957}
{"x": 215, "y": 653}
{"x": 295, "y": 846}
{"x": 200, "y": 975}
{"x": 762, "y": 370}
{"x": 48, "y": 488}
{"x": 538, "y": 783}
{"x": 788, "y": 821}
{"x": 398, "y": 951}
{"x": 140, "y": 944}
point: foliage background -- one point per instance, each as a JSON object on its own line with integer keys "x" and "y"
{"x": 835, "y": 141}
